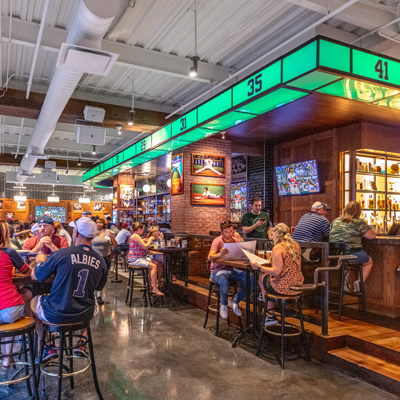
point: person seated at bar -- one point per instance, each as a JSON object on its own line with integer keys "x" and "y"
{"x": 256, "y": 223}
{"x": 78, "y": 272}
{"x": 350, "y": 229}
{"x": 35, "y": 229}
{"x": 284, "y": 272}
{"x": 59, "y": 230}
{"x": 223, "y": 274}
{"x": 21, "y": 234}
{"x": 138, "y": 257}
{"x": 123, "y": 235}
{"x": 46, "y": 242}
{"x": 13, "y": 242}
{"x": 313, "y": 226}
{"x": 11, "y": 302}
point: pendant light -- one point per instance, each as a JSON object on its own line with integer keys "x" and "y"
{"x": 20, "y": 196}
{"x": 53, "y": 198}
{"x": 84, "y": 199}
{"x": 195, "y": 59}
{"x": 146, "y": 188}
{"x": 131, "y": 119}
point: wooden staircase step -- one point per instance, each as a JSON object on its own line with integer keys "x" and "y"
{"x": 373, "y": 370}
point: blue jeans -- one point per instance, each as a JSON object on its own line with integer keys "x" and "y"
{"x": 224, "y": 277}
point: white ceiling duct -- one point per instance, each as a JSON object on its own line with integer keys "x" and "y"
{"x": 91, "y": 22}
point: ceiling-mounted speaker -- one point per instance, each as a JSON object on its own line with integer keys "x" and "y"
{"x": 90, "y": 135}
{"x": 50, "y": 165}
{"x": 94, "y": 114}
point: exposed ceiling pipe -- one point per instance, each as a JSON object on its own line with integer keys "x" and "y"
{"x": 268, "y": 53}
{"x": 376, "y": 30}
{"x": 91, "y": 21}
{"x": 19, "y": 137}
{"x": 9, "y": 41}
{"x": 37, "y": 46}
{"x": 388, "y": 37}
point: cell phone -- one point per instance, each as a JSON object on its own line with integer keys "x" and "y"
{"x": 262, "y": 220}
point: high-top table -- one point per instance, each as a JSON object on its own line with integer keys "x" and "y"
{"x": 251, "y": 327}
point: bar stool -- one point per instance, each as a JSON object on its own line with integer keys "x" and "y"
{"x": 299, "y": 331}
{"x": 347, "y": 266}
{"x": 25, "y": 327}
{"x": 64, "y": 332}
{"x": 131, "y": 283}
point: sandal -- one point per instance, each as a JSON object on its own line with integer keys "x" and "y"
{"x": 158, "y": 293}
{"x": 9, "y": 365}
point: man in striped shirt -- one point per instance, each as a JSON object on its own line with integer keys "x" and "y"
{"x": 313, "y": 226}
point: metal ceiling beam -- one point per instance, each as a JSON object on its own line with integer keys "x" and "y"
{"x": 24, "y": 33}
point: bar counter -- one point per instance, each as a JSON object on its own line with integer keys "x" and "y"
{"x": 383, "y": 284}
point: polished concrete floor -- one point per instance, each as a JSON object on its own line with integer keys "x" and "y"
{"x": 147, "y": 353}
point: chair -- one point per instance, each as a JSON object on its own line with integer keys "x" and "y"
{"x": 25, "y": 327}
{"x": 299, "y": 331}
{"x": 131, "y": 283}
{"x": 336, "y": 249}
{"x": 65, "y": 332}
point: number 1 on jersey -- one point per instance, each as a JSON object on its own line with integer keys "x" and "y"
{"x": 80, "y": 290}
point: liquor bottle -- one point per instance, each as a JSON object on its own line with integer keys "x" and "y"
{"x": 379, "y": 205}
{"x": 389, "y": 203}
{"x": 362, "y": 202}
{"x": 396, "y": 205}
{"x": 371, "y": 202}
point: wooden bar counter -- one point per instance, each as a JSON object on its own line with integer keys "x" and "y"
{"x": 383, "y": 284}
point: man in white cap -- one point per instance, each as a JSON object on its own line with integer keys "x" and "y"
{"x": 313, "y": 226}
{"x": 78, "y": 272}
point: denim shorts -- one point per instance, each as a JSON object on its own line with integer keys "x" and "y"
{"x": 362, "y": 256}
{"x": 11, "y": 314}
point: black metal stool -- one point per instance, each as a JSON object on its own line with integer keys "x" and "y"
{"x": 131, "y": 284}
{"x": 215, "y": 291}
{"x": 25, "y": 327}
{"x": 298, "y": 330}
{"x": 64, "y": 332}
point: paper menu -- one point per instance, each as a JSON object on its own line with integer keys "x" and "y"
{"x": 253, "y": 258}
{"x": 236, "y": 250}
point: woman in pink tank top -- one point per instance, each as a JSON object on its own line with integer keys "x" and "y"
{"x": 138, "y": 256}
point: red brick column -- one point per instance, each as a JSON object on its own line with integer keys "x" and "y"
{"x": 194, "y": 219}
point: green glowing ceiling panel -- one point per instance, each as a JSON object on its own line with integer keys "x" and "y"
{"x": 153, "y": 154}
{"x": 333, "y": 55}
{"x": 228, "y": 120}
{"x": 393, "y": 102}
{"x": 161, "y": 135}
{"x": 197, "y": 134}
{"x": 130, "y": 152}
{"x": 313, "y": 80}
{"x": 273, "y": 100}
{"x": 173, "y": 145}
{"x": 376, "y": 67}
{"x": 357, "y": 90}
{"x": 299, "y": 62}
{"x": 215, "y": 106}
{"x": 143, "y": 145}
{"x": 257, "y": 83}
{"x": 184, "y": 123}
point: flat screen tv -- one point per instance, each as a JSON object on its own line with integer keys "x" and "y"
{"x": 299, "y": 178}
{"x": 57, "y": 213}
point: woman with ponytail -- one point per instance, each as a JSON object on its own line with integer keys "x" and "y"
{"x": 285, "y": 270}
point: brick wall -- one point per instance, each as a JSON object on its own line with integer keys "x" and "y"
{"x": 257, "y": 170}
{"x": 194, "y": 219}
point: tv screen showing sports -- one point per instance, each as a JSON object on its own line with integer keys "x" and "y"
{"x": 299, "y": 178}
{"x": 57, "y": 213}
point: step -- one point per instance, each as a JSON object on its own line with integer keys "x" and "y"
{"x": 367, "y": 368}
{"x": 386, "y": 349}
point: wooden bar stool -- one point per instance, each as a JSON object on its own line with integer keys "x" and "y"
{"x": 131, "y": 283}
{"x": 298, "y": 331}
{"x": 64, "y": 332}
{"x": 24, "y": 327}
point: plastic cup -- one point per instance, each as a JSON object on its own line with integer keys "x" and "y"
{"x": 168, "y": 243}
{"x": 269, "y": 255}
{"x": 261, "y": 253}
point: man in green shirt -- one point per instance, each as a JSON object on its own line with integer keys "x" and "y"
{"x": 256, "y": 223}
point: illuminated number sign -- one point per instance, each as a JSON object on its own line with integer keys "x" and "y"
{"x": 375, "y": 67}
{"x": 184, "y": 123}
{"x": 143, "y": 145}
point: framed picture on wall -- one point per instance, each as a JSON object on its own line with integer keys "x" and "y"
{"x": 177, "y": 174}
{"x": 239, "y": 168}
{"x": 21, "y": 205}
{"x": 207, "y": 165}
{"x": 97, "y": 207}
{"x": 9, "y": 216}
{"x": 1, "y": 204}
{"x": 77, "y": 207}
{"x": 208, "y": 194}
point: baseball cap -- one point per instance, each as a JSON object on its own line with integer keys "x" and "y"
{"x": 35, "y": 227}
{"x": 85, "y": 226}
{"x": 46, "y": 220}
{"x": 86, "y": 214}
{"x": 318, "y": 204}
{"x": 125, "y": 225}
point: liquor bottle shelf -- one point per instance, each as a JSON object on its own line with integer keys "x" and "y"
{"x": 359, "y": 172}
{"x": 370, "y": 191}
{"x": 374, "y": 209}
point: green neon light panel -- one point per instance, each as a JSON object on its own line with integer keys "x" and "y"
{"x": 258, "y": 83}
{"x": 313, "y": 80}
{"x": 143, "y": 145}
{"x": 357, "y": 90}
{"x": 273, "y": 100}
{"x": 184, "y": 123}
{"x": 299, "y": 62}
{"x": 197, "y": 134}
{"x": 173, "y": 145}
{"x": 334, "y": 56}
{"x": 161, "y": 135}
{"x": 227, "y": 121}
{"x": 215, "y": 106}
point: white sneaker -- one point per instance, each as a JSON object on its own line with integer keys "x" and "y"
{"x": 356, "y": 286}
{"x": 235, "y": 308}
{"x": 223, "y": 311}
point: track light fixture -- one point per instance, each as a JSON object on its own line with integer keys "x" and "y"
{"x": 193, "y": 69}
{"x": 118, "y": 127}
{"x": 195, "y": 59}
{"x": 131, "y": 119}
{"x": 223, "y": 134}
{"x": 94, "y": 149}
{"x": 79, "y": 162}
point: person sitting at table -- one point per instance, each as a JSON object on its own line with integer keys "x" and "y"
{"x": 59, "y": 230}
{"x": 35, "y": 229}
{"x": 157, "y": 257}
{"x": 350, "y": 229}
{"x": 21, "y": 234}
{"x": 285, "y": 270}
{"x": 222, "y": 274}
{"x": 124, "y": 234}
{"x": 78, "y": 272}
{"x": 46, "y": 242}
{"x": 11, "y": 302}
{"x": 13, "y": 242}
{"x": 137, "y": 256}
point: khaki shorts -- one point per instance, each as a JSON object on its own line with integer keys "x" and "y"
{"x": 36, "y": 307}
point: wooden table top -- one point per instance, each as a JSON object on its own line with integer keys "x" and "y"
{"x": 169, "y": 249}
{"x": 237, "y": 264}
{"x": 21, "y": 278}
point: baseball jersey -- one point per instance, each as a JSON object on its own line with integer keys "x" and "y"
{"x": 78, "y": 271}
